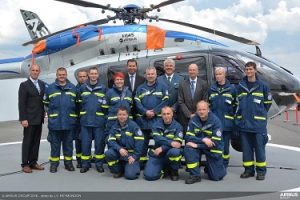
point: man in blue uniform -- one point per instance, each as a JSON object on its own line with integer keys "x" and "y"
{"x": 204, "y": 136}
{"x": 81, "y": 78}
{"x": 117, "y": 96}
{"x": 171, "y": 80}
{"x": 92, "y": 119}
{"x": 222, "y": 99}
{"x": 150, "y": 97}
{"x": 166, "y": 154}
{"x": 60, "y": 98}
{"x": 254, "y": 100}
{"x": 125, "y": 144}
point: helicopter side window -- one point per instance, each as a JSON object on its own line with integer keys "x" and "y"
{"x": 181, "y": 67}
{"x": 233, "y": 72}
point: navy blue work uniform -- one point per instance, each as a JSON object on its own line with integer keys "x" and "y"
{"x": 130, "y": 138}
{"x": 62, "y": 116}
{"x": 222, "y": 99}
{"x": 116, "y": 99}
{"x": 153, "y": 97}
{"x": 172, "y": 84}
{"x": 254, "y": 101}
{"x": 197, "y": 130}
{"x": 92, "y": 119}
{"x": 170, "y": 158}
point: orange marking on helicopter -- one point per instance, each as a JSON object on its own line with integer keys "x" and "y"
{"x": 155, "y": 37}
{"x": 297, "y": 98}
{"x": 38, "y": 48}
{"x": 100, "y": 34}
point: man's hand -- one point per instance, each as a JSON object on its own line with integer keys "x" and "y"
{"x": 175, "y": 144}
{"x": 24, "y": 123}
{"x": 130, "y": 160}
{"x": 158, "y": 151}
{"x": 150, "y": 114}
{"x": 123, "y": 152}
{"x": 192, "y": 144}
{"x": 208, "y": 142}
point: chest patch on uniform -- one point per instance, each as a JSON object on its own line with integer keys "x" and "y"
{"x": 256, "y": 100}
{"x": 219, "y": 133}
{"x": 228, "y": 101}
{"x": 269, "y": 96}
{"x": 139, "y": 132}
{"x": 180, "y": 134}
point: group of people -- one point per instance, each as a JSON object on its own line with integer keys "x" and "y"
{"x": 171, "y": 110}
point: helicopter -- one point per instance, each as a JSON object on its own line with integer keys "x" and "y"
{"x": 109, "y": 47}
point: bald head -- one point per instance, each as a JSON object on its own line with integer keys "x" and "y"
{"x": 34, "y": 71}
{"x": 193, "y": 71}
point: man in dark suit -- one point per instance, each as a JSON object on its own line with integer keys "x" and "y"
{"x": 190, "y": 92}
{"x": 133, "y": 80}
{"x": 31, "y": 116}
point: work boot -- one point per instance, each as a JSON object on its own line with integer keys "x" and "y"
{"x": 70, "y": 167}
{"x": 174, "y": 175}
{"x": 79, "y": 165}
{"x": 246, "y": 175}
{"x": 192, "y": 179}
{"x": 100, "y": 169}
{"x": 260, "y": 177}
{"x": 53, "y": 169}
{"x": 84, "y": 169}
{"x": 118, "y": 175}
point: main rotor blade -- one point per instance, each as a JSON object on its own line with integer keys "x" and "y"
{"x": 97, "y": 22}
{"x": 216, "y": 32}
{"x": 84, "y": 3}
{"x": 165, "y": 3}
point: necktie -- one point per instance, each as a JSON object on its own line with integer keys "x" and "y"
{"x": 169, "y": 79}
{"x": 131, "y": 82}
{"x": 36, "y": 83}
{"x": 193, "y": 88}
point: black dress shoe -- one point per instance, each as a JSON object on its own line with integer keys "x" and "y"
{"x": 260, "y": 177}
{"x": 118, "y": 175}
{"x": 174, "y": 175}
{"x": 100, "y": 169}
{"x": 70, "y": 167}
{"x": 84, "y": 169}
{"x": 79, "y": 165}
{"x": 53, "y": 169}
{"x": 193, "y": 179}
{"x": 246, "y": 175}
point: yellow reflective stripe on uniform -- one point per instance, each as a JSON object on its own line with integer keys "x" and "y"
{"x": 68, "y": 158}
{"x": 190, "y": 133}
{"x": 99, "y": 114}
{"x": 212, "y": 95}
{"x": 229, "y": 117}
{"x": 192, "y": 165}
{"x": 136, "y": 98}
{"x": 239, "y": 117}
{"x": 248, "y": 164}
{"x": 54, "y": 94}
{"x": 196, "y": 129}
{"x": 115, "y": 98}
{"x": 73, "y": 115}
{"x": 176, "y": 158}
{"x": 261, "y": 164}
{"x": 54, "y": 159}
{"x": 259, "y": 118}
{"x": 128, "y": 133}
{"x": 112, "y": 118}
{"x": 53, "y": 115}
{"x": 128, "y": 98}
{"x": 46, "y": 102}
{"x": 227, "y": 95}
{"x": 216, "y": 138}
{"x": 99, "y": 94}
{"x": 170, "y": 136}
{"x": 242, "y": 94}
{"x": 85, "y": 157}
{"x": 118, "y": 135}
{"x": 113, "y": 162}
{"x": 83, "y": 113}
{"x": 165, "y": 97}
{"x": 112, "y": 138}
{"x": 158, "y": 134}
{"x": 226, "y": 156}
{"x": 85, "y": 93}
{"x": 71, "y": 93}
{"x": 143, "y": 158}
{"x": 216, "y": 151}
{"x": 138, "y": 138}
{"x": 157, "y": 93}
{"x": 178, "y": 139}
{"x": 267, "y": 102}
{"x": 78, "y": 154}
{"x": 130, "y": 150}
{"x": 99, "y": 156}
{"x": 258, "y": 94}
{"x": 104, "y": 106}
{"x": 208, "y": 132}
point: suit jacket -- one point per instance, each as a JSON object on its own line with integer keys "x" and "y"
{"x": 139, "y": 80}
{"x": 187, "y": 104}
{"x": 31, "y": 106}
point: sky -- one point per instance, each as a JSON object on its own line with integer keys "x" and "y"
{"x": 272, "y": 23}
